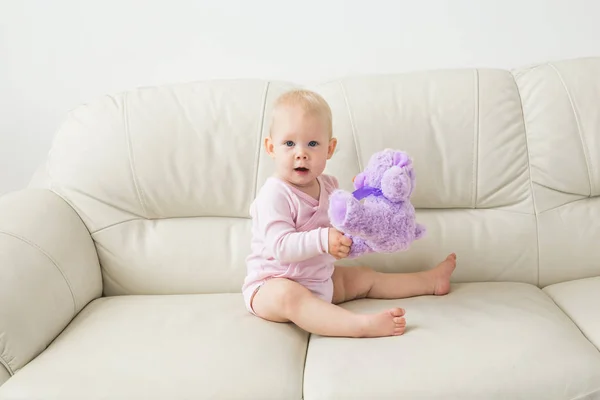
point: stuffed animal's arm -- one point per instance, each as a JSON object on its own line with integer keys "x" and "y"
{"x": 359, "y": 248}
{"x": 346, "y": 213}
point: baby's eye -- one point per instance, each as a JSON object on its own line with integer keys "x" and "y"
{"x": 289, "y": 143}
{"x": 312, "y": 143}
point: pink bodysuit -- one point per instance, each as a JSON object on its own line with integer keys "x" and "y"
{"x": 290, "y": 238}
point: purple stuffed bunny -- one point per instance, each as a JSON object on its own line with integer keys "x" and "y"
{"x": 385, "y": 222}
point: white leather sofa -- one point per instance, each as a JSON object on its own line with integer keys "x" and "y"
{"x": 121, "y": 264}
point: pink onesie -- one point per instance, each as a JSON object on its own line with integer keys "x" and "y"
{"x": 290, "y": 238}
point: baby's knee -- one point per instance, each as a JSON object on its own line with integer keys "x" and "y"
{"x": 365, "y": 271}
{"x": 364, "y": 280}
{"x": 288, "y": 294}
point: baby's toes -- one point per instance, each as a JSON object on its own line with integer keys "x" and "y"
{"x": 397, "y": 312}
{"x": 399, "y": 330}
{"x": 399, "y": 325}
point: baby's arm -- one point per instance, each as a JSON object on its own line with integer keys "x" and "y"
{"x": 273, "y": 214}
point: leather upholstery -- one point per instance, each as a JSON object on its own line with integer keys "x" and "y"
{"x": 49, "y": 271}
{"x": 144, "y": 200}
{"x": 484, "y": 341}
{"x": 562, "y": 121}
{"x": 4, "y": 375}
{"x": 579, "y": 299}
{"x": 167, "y": 347}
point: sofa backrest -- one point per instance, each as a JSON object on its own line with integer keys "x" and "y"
{"x": 507, "y": 165}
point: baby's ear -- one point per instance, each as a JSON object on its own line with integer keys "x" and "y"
{"x": 359, "y": 180}
{"x": 331, "y": 147}
{"x": 268, "y": 144}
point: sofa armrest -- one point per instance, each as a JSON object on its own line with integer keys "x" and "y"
{"x": 49, "y": 271}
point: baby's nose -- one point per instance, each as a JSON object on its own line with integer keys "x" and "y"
{"x": 301, "y": 155}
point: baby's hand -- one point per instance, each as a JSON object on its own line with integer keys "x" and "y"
{"x": 339, "y": 245}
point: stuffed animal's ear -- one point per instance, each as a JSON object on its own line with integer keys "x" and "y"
{"x": 396, "y": 185}
{"x": 359, "y": 180}
{"x": 400, "y": 159}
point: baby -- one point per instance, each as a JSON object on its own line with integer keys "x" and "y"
{"x": 291, "y": 272}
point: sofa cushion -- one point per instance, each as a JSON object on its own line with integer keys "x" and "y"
{"x": 561, "y": 117}
{"x": 166, "y": 347}
{"x": 579, "y": 299}
{"x": 482, "y": 341}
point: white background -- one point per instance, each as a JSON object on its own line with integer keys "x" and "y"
{"x": 57, "y": 54}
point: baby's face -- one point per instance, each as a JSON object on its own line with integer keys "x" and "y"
{"x": 300, "y": 145}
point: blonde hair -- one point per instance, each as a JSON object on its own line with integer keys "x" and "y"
{"x": 309, "y": 101}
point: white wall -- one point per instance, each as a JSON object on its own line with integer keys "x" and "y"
{"x": 57, "y": 54}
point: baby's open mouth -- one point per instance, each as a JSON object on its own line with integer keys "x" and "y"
{"x": 301, "y": 169}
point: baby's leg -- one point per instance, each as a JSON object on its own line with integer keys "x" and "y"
{"x": 283, "y": 300}
{"x": 351, "y": 283}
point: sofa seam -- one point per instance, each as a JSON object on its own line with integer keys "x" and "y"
{"x": 99, "y": 230}
{"x": 308, "y": 339}
{"x": 566, "y": 204}
{"x": 476, "y": 133}
{"x": 577, "y": 326}
{"x": 583, "y": 143}
{"x": 495, "y": 209}
{"x": 583, "y": 396}
{"x": 535, "y": 212}
{"x": 260, "y": 131}
{"x": 138, "y": 188}
{"x": 352, "y": 125}
{"x": 38, "y": 248}
{"x": 561, "y": 191}
{"x": 6, "y": 366}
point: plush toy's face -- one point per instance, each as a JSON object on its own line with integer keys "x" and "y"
{"x": 391, "y": 171}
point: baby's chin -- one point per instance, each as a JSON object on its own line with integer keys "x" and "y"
{"x": 301, "y": 178}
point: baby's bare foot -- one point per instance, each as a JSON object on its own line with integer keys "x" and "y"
{"x": 388, "y": 323}
{"x": 441, "y": 275}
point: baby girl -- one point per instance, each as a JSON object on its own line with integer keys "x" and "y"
{"x": 291, "y": 272}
